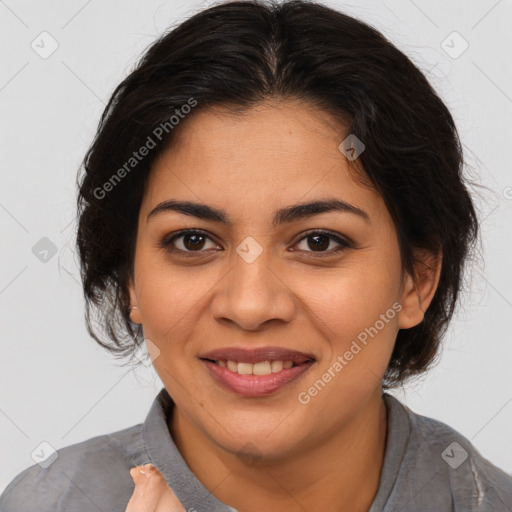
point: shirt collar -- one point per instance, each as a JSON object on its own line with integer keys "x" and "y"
{"x": 397, "y": 438}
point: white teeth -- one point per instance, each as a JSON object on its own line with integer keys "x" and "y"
{"x": 262, "y": 368}
{"x": 245, "y": 368}
{"x": 232, "y": 365}
{"x": 276, "y": 366}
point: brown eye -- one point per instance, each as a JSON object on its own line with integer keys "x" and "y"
{"x": 194, "y": 241}
{"x": 320, "y": 241}
{"x": 187, "y": 241}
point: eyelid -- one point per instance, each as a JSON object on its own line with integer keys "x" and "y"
{"x": 335, "y": 236}
{"x": 169, "y": 239}
{"x": 344, "y": 242}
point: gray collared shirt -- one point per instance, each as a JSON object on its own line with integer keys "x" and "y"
{"x": 428, "y": 466}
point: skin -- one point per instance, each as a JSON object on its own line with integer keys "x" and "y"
{"x": 273, "y": 453}
{"x": 151, "y": 492}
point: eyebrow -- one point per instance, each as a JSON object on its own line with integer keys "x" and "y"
{"x": 282, "y": 216}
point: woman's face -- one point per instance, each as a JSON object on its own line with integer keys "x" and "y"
{"x": 252, "y": 283}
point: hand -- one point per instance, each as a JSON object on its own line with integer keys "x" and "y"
{"x": 151, "y": 493}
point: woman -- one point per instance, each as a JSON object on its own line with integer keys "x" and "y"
{"x": 274, "y": 204}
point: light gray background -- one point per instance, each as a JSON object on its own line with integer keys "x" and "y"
{"x": 57, "y": 385}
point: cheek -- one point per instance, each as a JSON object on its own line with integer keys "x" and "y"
{"x": 350, "y": 298}
{"x": 355, "y": 309}
{"x": 170, "y": 301}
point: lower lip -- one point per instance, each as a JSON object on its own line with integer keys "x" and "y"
{"x": 255, "y": 385}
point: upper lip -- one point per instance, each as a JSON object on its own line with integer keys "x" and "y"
{"x": 257, "y": 355}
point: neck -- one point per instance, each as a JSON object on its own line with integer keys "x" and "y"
{"x": 342, "y": 472}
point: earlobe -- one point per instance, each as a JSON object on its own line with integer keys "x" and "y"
{"x": 418, "y": 293}
{"x": 135, "y": 315}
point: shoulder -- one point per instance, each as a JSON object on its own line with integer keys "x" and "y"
{"x": 90, "y": 475}
{"x": 454, "y": 466}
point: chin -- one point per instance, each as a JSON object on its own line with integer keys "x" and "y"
{"x": 253, "y": 436}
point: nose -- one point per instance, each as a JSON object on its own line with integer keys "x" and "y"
{"x": 253, "y": 294}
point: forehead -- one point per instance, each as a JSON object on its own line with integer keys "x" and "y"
{"x": 273, "y": 154}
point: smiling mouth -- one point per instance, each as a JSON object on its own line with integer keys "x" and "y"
{"x": 257, "y": 379}
{"x": 260, "y": 368}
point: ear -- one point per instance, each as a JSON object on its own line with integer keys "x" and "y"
{"x": 418, "y": 294}
{"x": 135, "y": 315}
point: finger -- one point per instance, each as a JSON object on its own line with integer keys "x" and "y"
{"x": 151, "y": 493}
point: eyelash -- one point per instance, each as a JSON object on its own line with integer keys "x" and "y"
{"x": 344, "y": 244}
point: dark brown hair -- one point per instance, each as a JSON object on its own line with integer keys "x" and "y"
{"x": 235, "y": 55}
